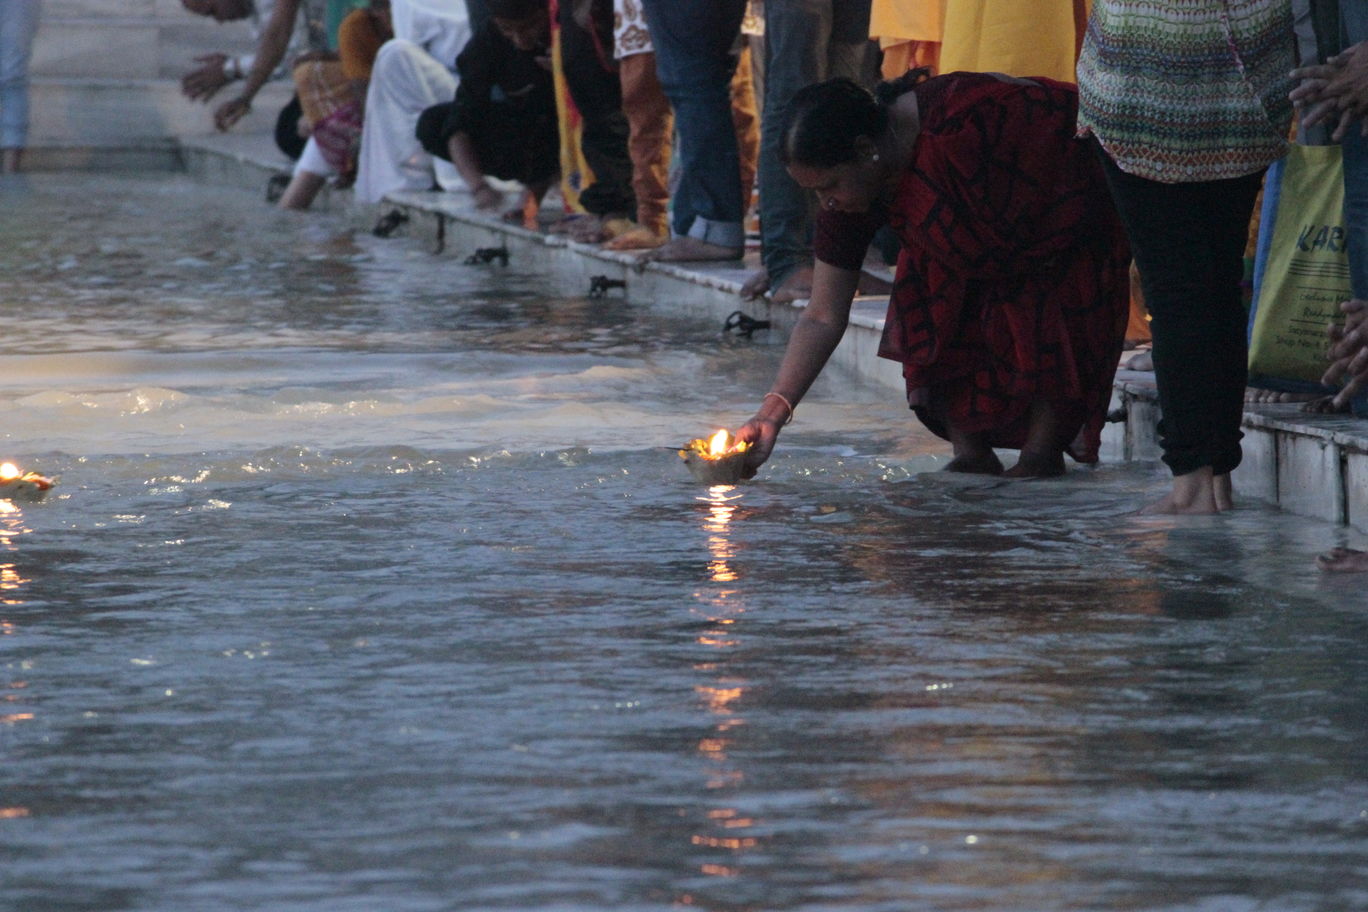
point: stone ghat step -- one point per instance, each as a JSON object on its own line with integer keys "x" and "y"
{"x": 1312, "y": 465}
{"x": 130, "y": 47}
{"x": 114, "y": 9}
{"x": 123, "y": 113}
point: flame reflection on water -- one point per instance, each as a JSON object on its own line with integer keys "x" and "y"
{"x": 724, "y": 837}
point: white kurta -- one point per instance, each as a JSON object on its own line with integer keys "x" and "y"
{"x": 412, "y": 72}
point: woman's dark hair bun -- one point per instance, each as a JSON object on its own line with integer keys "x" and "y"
{"x": 824, "y": 119}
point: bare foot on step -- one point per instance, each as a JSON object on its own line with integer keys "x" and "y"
{"x": 975, "y": 464}
{"x": 1033, "y": 464}
{"x": 756, "y": 284}
{"x": 1194, "y": 494}
{"x": 797, "y": 286}
{"x": 638, "y": 238}
{"x": 692, "y": 250}
{"x": 1343, "y": 560}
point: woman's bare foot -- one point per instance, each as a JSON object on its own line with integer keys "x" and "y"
{"x": 1343, "y": 560}
{"x": 1325, "y": 405}
{"x": 797, "y": 286}
{"x": 1036, "y": 464}
{"x": 692, "y": 250}
{"x": 975, "y": 464}
{"x": 636, "y": 238}
{"x": 1273, "y": 397}
{"x": 973, "y": 455}
{"x": 596, "y": 229}
{"x": 1223, "y": 491}
{"x": 1193, "y": 494}
{"x": 756, "y": 284}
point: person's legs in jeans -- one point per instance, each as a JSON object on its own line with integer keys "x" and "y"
{"x": 18, "y": 25}
{"x": 1188, "y": 241}
{"x": 806, "y": 41}
{"x": 693, "y": 42}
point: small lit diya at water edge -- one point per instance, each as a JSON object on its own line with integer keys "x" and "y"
{"x": 17, "y": 485}
{"x": 718, "y": 460}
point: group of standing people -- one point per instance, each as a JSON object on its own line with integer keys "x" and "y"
{"x": 1008, "y": 309}
{"x": 1019, "y": 189}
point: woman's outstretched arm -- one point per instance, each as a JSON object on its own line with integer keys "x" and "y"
{"x": 816, "y": 336}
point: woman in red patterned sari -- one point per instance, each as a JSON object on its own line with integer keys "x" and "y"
{"x": 1011, "y": 297}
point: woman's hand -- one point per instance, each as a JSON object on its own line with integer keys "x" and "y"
{"x": 1335, "y": 91}
{"x": 762, "y": 431}
{"x": 1349, "y": 352}
{"x": 230, "y": 112}
{"x": 761, "y": 434}
{"x": 201, "y": 83}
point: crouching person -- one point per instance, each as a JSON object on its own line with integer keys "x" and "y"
{"x": 502, "y": 122}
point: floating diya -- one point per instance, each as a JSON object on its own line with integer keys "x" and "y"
{"x": 719, "y": 460}
{"x": 17, "y": 485}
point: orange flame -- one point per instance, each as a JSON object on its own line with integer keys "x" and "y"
{"x": 8, "y": 471}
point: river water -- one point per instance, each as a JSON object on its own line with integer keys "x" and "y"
{"x": 370, "y": 584}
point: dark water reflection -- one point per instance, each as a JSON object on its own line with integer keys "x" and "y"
{"x": 419, "y": 655}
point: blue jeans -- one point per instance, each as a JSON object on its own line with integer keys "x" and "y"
{"x": 693, "y": 44}
{"x": 18, "y": 25}
{"x": 806, "y": 41}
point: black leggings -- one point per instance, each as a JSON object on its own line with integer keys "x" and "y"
{"x": 1188, "y": 241}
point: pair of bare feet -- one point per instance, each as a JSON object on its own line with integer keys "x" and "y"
{"x": 1030, "y": 464}
{"x": 1311, "y": 403}
{"x": 593, "y": 229}
{"x": 687, "y": 249}
{"x": 1195, "y": 494}
{"x": 1041, "y": 456}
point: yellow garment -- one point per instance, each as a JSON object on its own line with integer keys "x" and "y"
{"x": 1016, "y": 37}
{"x": 909, "y": 20}
{"x": 574, "y": 169}
{"x": 899, "y": 56}
{"x": 909, "y": 33}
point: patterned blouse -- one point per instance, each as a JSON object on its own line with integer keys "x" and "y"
{"x": 1188, "y": 90}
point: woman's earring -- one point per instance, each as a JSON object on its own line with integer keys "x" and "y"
{"x": 876, "y": 156}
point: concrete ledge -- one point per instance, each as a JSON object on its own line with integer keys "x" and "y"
{"x": 144, "y": 157}
{"x": 1312, "y": 465}
{"x": 121, "y": 113}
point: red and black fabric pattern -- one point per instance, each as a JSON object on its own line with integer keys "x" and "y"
{"x": 1012, "y": 284}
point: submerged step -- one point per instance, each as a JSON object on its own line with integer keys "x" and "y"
{"x": 69, "y": 112}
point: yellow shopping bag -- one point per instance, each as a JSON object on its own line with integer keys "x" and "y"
{"x": 1301, "y": 270}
